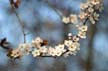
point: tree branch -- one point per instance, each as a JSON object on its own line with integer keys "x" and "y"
{"x": 20, "y": 22}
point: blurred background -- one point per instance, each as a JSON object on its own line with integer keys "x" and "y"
{"x": 43, "y": 18}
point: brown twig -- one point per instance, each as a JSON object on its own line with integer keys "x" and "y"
{"x": 4, "y": 44}
{"x": 19, "y": 19}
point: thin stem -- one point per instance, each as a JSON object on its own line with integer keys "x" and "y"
{"x": 85, "y": 21}
{"x": 20, "y": 23}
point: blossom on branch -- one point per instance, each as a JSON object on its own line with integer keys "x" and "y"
{"x": 40, "y": 48}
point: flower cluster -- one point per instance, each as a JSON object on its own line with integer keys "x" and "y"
{"x": 36, "y": 49}
{"x": 91, "y": 10}
{"x": 71, "y": 19}
{"x": 82, "y": 31}
{"x": 39, "y": 47}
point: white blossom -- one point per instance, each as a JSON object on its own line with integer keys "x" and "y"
{"x": 66, "y": 20}
{"x": 36, "y": 52}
